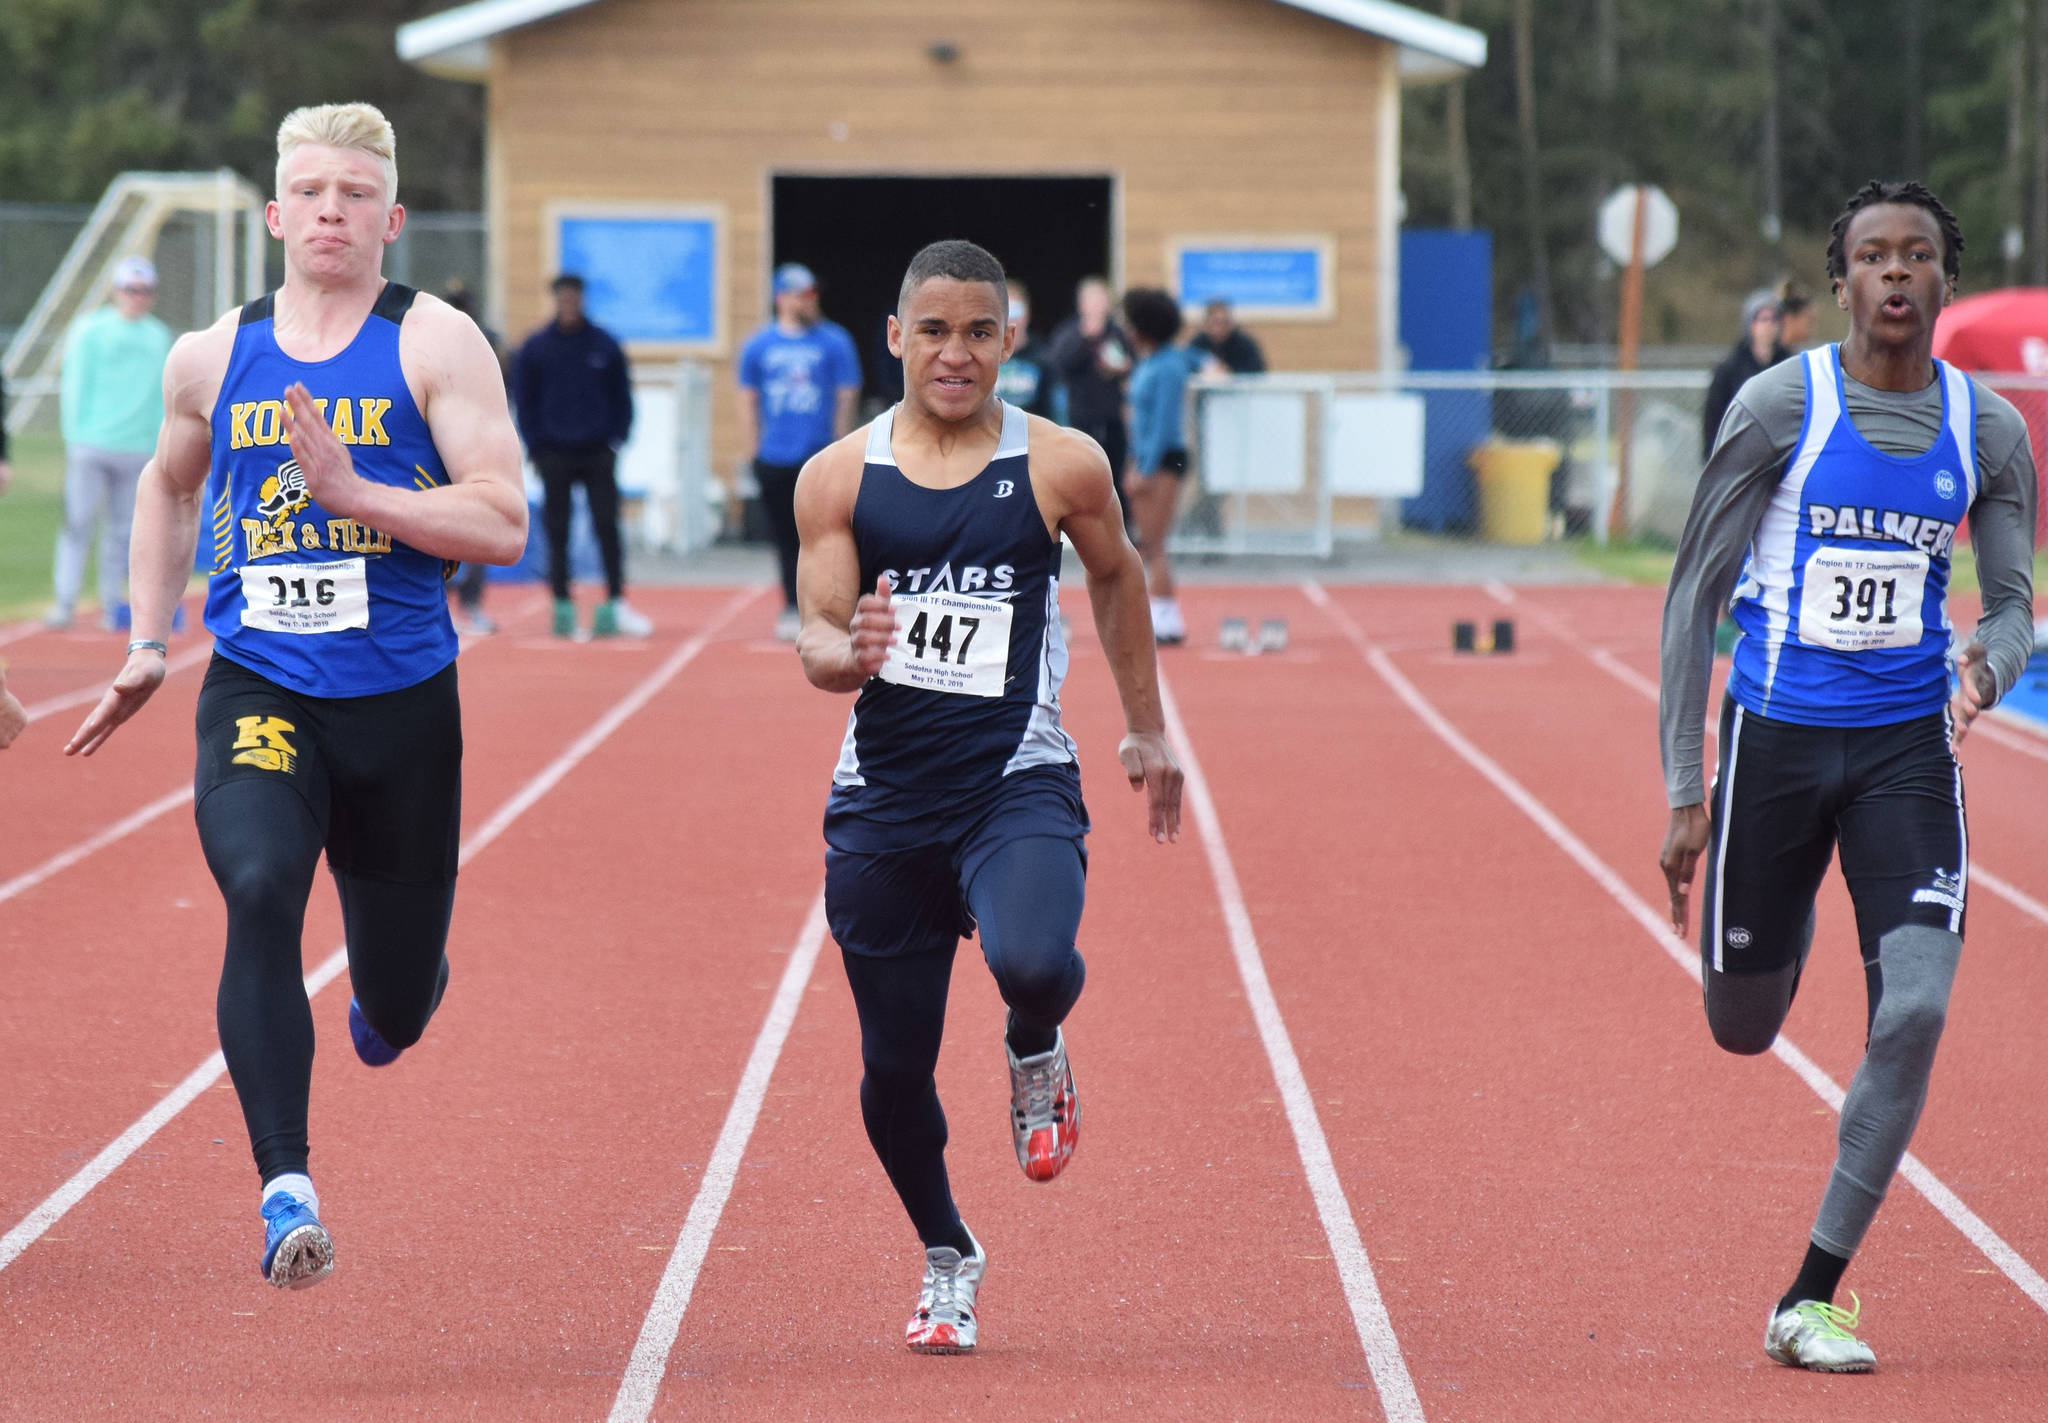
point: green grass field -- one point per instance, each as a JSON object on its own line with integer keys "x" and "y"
{"x": 30, "y": 512}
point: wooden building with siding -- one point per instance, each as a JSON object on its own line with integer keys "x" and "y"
{"x": 682, "y": 148}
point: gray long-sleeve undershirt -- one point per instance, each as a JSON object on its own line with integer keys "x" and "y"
{"x": 1758, "y": 436}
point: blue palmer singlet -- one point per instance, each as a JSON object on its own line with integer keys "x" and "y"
{"x": 971, "y": 690}
{"x": 324, "y": 606}
{"x": 1843, "y": 601}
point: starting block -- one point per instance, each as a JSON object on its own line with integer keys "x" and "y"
{"x": 1236, "y": 635}
{"x": 1501, "y": 637}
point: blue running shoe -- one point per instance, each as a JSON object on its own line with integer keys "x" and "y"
{"x": 371, "y": 1048}
{"x": 297, "y": 1251}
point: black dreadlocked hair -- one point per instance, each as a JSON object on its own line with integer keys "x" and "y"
{"x": 1876, "y": 192}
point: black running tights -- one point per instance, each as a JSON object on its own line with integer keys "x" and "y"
{"x": 263, "y": 843}
{"x": 1027, "y": 899}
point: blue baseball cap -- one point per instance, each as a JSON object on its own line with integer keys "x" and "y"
{"x": 794, "y": 277}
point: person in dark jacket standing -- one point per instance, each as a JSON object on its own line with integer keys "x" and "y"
{"x": 1024, "y": 380}
{"x": 1758, "y": 350}
{"x": 1091, "y": 356}
{"x": 1227, "y": 343}
{"x": 575, "y": 406}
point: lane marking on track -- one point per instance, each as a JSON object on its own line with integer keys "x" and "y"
{"x": 1629, "y": 677}
{"x": 86, "y": 695}
{"x": 1369, "y": 1315}
{"x": 194, "y": 655}
{"x": 2020, "y": 741}
{"x": 649, "y": 1363}
{"x": 1972, "y": 1226}
{"x": 210, "y": 1071}
{"x": 120, "y": 829}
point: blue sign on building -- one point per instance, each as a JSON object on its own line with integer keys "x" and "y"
{"x": 646, "y": 278}
{"x": 1277, "y": 280}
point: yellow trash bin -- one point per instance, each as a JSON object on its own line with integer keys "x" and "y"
{"x": 1514, "y": 489}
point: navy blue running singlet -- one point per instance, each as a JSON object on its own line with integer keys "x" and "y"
{"x": 971, "y": 690}
{"x": 321, "y": 605}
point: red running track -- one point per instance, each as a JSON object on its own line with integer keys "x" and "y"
{"x": 1573, "y": 1205}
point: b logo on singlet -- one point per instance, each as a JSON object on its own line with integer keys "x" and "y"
{"x": 1004, "y": 488}
{"x": 262, "y": 743}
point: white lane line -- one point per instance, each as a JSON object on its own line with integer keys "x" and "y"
{"x": 1996, "y": 1250}
{"x": 93, "y": 844}
{"x": 208, "y": 1072}
{"x": 1354, "y": 1268}
{"x": 2018, "y": 741}
{"x": 644, "y": 1371}
{"x": 86, "y": 695}
{"x": 1629, "y": 677}
{"x": 192, "y": 655}
{"x": 120, "y": 829}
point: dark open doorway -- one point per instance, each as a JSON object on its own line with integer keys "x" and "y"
{"x": 858, "y": 234}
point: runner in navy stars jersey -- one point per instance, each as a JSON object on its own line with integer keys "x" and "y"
{"x": 929, "y": 583}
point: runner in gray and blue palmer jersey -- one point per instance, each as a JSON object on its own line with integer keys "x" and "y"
{"x": 1835, "y": 491}
{"x": 956, "y": 805}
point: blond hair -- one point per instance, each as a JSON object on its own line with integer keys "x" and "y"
{"x": 361, "y": 127}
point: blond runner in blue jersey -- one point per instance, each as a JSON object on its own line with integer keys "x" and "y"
{"x": 335, "y": 441}
{"x": 929, "y": 584}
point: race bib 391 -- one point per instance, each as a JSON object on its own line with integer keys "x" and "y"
{"x": 950, "y": 642}
{"x": 1860, "y": 600}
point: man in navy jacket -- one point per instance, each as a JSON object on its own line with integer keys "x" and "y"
{"x": 575, "y": 405}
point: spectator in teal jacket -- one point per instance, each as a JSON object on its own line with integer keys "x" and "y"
{"x": 112, "y": 402}
{"x": 1159, "y": 452}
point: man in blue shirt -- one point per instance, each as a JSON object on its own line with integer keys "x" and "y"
{"x": 575, "y": 406}
{"x": 799, "y": 379}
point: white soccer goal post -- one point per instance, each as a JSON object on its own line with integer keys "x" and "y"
{"x": 127, "y": 222}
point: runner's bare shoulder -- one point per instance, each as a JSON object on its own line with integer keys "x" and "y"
{"x": 198, "y": 363}
{"x": 830, "y": 479}
{"x": 1069, "y": 466}
{"x": 438, "y": 345}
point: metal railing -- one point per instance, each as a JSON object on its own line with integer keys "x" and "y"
{"x": 1294, "y": 463}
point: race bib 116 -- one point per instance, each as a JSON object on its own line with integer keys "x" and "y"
{"x": 1860, "y": 600}
{"x": 306, "y": 598}
{"x": 950, "y": 642}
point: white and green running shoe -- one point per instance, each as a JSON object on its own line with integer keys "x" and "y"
{"x": 1812, "y": 1335}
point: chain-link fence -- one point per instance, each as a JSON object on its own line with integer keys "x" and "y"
{"x": 1294, "y": 463}
{"x": 435, "y": 249}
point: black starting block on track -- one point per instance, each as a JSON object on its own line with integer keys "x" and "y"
{"x": 1465, "y": 637}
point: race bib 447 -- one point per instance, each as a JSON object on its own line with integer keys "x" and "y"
{"x": 306, "y": 598}
{"x": 1859, "y": 600}
{"x": 950, "y": 642}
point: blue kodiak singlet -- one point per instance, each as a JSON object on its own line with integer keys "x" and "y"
{"x": 321, "y": 605}
{"x": 1842, "y": 602}
{"x": 971, "y": 690}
